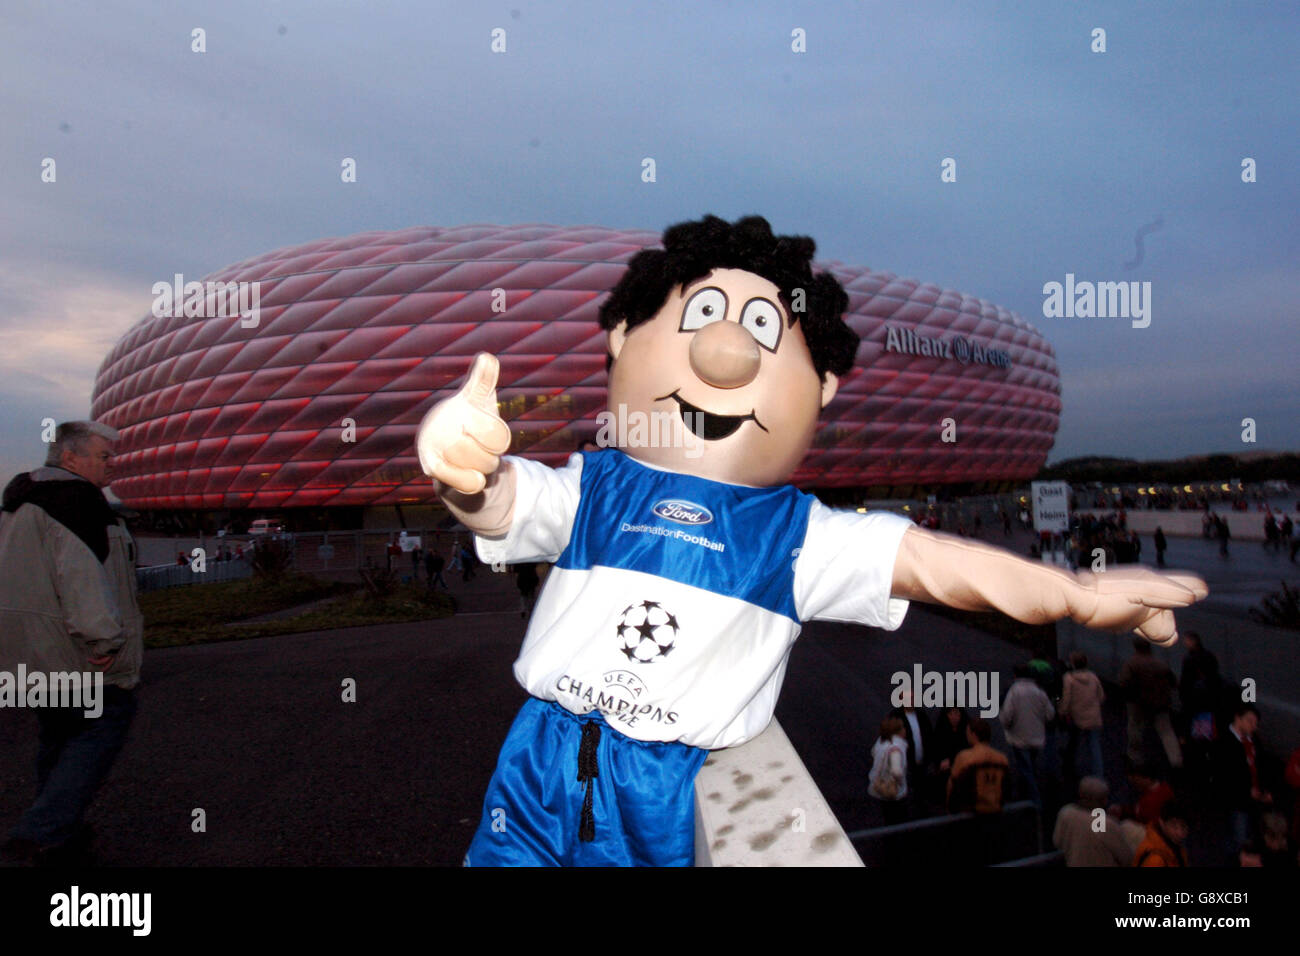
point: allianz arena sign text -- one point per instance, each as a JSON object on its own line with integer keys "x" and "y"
{"x": 956, "y": 347}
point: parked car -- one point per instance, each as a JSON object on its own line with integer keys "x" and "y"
{"x": 266, "y": 526}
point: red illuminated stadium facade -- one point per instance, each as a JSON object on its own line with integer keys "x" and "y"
{"x": 317, "y": 405}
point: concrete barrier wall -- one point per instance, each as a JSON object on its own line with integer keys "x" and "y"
{"x": 757, "y": 805}
{"x": 1243, "y": 525}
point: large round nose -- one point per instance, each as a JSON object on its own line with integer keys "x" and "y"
{"x": 724, "y": 355}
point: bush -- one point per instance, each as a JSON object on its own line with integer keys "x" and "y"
{"x": 1280, "y": 609}
{"x": 189, "y": 615}
{"x": 272, "y": 557}
{"x": 379, "y": 582}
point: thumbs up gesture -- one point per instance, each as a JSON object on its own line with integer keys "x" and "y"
{"x": 462, "y": 438}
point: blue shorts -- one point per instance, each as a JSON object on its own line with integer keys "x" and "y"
{"x": 642, "y": 797}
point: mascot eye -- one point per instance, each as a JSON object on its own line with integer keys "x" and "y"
{"x": 707, "y": 305}
{"x": 762, "y": 320}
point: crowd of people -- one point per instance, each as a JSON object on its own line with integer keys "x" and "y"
{"x": 461, "y": 558}
{"x": 1198, "y": 765}
{"x": 1279, "y": 535}
{"x": 1107, "y": 536}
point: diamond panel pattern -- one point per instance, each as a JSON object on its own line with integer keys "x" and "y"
{"x": 360, "y": 335}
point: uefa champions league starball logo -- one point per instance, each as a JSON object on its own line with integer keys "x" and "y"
{"x": 647, "y": 632}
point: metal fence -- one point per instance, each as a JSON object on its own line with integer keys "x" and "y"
{"x": 962, "y": 839}
{"x": 176, "y": 575}
{"x": 310, "y": 552}
{"x": 332, "y": 551}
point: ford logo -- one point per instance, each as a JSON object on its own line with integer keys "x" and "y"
{"x": 683, "y": 512}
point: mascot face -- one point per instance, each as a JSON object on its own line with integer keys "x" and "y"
{"x": 720, "y": 382}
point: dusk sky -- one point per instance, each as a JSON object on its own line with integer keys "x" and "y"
{"x": 168, "y": 161}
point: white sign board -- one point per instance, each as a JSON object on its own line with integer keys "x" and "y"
{"x": 408, "y": 542}
{"x": 1051, "y": 506}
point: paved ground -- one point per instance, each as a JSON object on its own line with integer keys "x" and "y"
{"x": 1237, "y": 582}
{"x": 255, "y": 733}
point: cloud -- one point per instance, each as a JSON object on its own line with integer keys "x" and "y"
{"x": 59, "y": 323}
{"x": 180, "y": 162}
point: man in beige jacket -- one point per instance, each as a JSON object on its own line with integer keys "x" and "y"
{"x": 68, "y": 616}
{"x": 1088, "y": 836}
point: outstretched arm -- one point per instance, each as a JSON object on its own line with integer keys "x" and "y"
{"x": 973, "y": 576}
{"x": 490, "y": 512}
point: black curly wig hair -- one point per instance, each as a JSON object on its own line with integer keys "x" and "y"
{"x": 691, "y": 250}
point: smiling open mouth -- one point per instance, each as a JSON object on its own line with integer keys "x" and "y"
{"x": 707, "y": 425}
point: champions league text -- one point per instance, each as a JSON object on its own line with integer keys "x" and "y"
{"x": 611, "y": 704}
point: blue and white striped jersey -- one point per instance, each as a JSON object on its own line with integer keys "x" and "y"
{"x": 675, "y": 599}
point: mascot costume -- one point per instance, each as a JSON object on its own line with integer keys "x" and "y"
{"x": 683, "y": 570}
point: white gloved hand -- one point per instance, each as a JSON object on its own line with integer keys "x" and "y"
{"x": 461, "y": 440}
{"x": 1136, "y": 599}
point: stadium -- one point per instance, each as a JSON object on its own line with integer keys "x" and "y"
{"x": 311, "y": 401}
